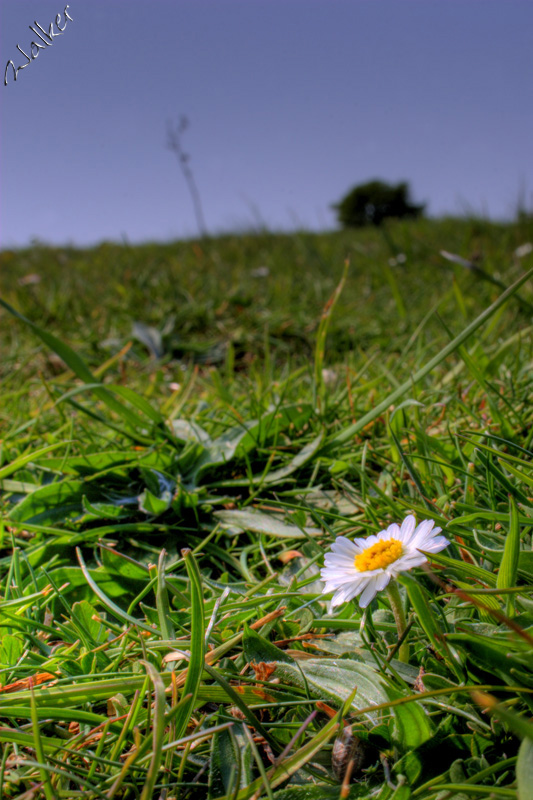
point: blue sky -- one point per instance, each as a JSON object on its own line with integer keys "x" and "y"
{"x": 290, "y": 103}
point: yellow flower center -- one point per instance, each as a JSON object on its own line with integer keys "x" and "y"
{"x": 379, "y": 555}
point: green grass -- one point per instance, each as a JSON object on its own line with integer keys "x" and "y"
{"x": 168, "y": 492}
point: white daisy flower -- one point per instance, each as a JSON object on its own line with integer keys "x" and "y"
{"x": 365, "y": 566}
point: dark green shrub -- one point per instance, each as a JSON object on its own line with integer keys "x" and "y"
{"x": 371, "y": 203}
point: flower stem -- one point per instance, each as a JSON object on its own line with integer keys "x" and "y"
{"x": 399, "y": 618}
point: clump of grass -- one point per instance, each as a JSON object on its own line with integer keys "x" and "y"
{"x": 162, "y": 627}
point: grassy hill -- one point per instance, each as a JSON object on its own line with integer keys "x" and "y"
{"x": 185, "y": 429}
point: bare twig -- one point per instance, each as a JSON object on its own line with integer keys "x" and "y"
{"x": 174, "y": 136}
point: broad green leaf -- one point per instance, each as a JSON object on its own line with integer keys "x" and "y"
{"x": 278, "y": 475}
{"x": 263, "y": 523}
{"x": 152, "y": 505}
{"x": 412, "y": 727}
{"x": 525, "y": 562}
{"x": 85, "y": 614}
{"x": 149, "y": 336}
{"x": 231, "y": 761}
{"x": 115, "y": 462}
{"x": 333, "y": 681}
{"x": 257, "y": 648}
{"x": 188, "y": 431}
{"x": 183, "y": 499}
{"x": 301, "y": 458}
{"x": 250, "y": 435}
{"x": 402, "y": 792}
{"x": 11, "y": 649}
{"x": 414, "y": 763}
{"x": 56, "y": 502}
{"x": 321, "y": 792}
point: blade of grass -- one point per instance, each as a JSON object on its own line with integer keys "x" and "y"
{"x": 320, "y": 348}
{"x": 109, "y": 604}
{"x": 197, "y": 655}
{"x": 524, "y": 769}
{"x": 349, "y": 432}
{"x": 162, "y": 604}
{"x": 158, "y": 732}
{"x": 19, "y": 462}
{"x": 237, "y": 699}
{"x": 39, "y": 751}
{"x": 516, "y": 723}
{"x": 80, "y": 369}
{"x": 281, "y": 772}
{"x": 508, "y": 572}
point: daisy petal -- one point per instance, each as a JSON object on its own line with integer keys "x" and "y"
{"x": 369, "y": 592}
{"x": 365, "y": 566}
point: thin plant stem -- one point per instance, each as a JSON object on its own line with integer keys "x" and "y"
{"x": 174, "y": 134}
{"x": 399, "y": 618}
